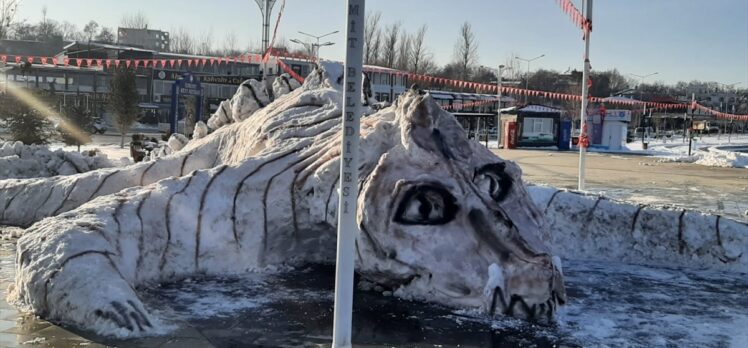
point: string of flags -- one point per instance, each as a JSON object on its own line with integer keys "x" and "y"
{"x": 575, "y": 15}
{"x": 413, "y": 78}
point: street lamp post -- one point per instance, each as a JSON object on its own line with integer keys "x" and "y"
{"x": 644, "y": 111}
{"x": 266, "y": 8}
{"x": 499, "y": 81}
{"x": 315, "y": 46}
{"x": 527, "y": 77}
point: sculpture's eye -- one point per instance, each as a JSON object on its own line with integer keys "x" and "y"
{"x": 426, "y": 205}
{"x": 492, "y": 179}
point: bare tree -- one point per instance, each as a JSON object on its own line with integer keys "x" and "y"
{"x": 404, "y": 51}
{"x": 512, "y": 67}
{"x": 372, "y": 33}
{"x": 420, "y": 57}
{"x": 90, "y": 30}
{"x": 8, "y": 11}
{"x": 204, "y": 45}
{"x": 106, "y": 35}
{"x": 47, "y": 28}
{"x": 182, "y": 41}
{"x": 134, "y": 21}
{"x": 466, "y": 51}
{"x": 389, "y": 49}
{"x": 70, "y": 31}
{"x": 229, "y": 44}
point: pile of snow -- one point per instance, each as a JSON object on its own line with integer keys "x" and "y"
{"x": 705, "y": 150}
{"x": 596, "y": 228}
{"x": 713, "y": 157}
{"x": 19, "y": 161}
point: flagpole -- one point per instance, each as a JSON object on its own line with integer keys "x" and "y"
{"x": 347, "y": 225}
{"x": 583, "y": 139}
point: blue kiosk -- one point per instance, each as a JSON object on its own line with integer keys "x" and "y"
{"x": 190, "y": 86}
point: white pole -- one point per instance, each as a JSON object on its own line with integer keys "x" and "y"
{"x": 498, "y": 108}
{"x": 585, "y": 91}
{"x": 347, "y": 226}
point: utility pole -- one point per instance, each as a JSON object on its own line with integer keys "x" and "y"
{"x": 348, "y": 193}
{"x": 527, "y": 77}
{"x": 498, "y": 108}
{"x": 583, "y": 142}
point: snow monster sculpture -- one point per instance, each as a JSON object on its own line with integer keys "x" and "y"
{"x": 441, "y": 218}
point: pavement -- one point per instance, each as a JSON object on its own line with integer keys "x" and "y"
{"x": 641, "y": 179}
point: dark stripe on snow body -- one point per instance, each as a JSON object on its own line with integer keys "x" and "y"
{"x": 681, "y": 242}
{"x": 184, "y": 161}
{"x": 592, "y": 210}
{"x": 315, "y": 164}
{"x": 374, "y": 244}
{"x": 7, "y": 203}
{"x": 329, "y": 196}
{"x": 36, "y": 211}
{"x": 724, "y": 258}
{"x": 67, "y": 196}
{"x": 200, "y": 215}
{"x": 143, "y": 317}
{"x": 168, "y": 221}
{"x": 59, "y": 269}
{"x": 288, "y": 83}
{"x": 142, "y": 176}
{"x": 241, "y": 184}
{"x": 254, "y": 95}
{"x": 218, "y": 152}
{"x": 120, "y": 203}
{"x": 272, "y": 122}
{"x": 636, "y": 217}
{"x": 141, "y": 242}
{"x": 308, "y": 125}
{"x": 101, "y": 184}
{"x": 553, "y": 196}
{"x": 308, "y": 154}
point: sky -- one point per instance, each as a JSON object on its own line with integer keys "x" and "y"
{"x": 680, "y": 40}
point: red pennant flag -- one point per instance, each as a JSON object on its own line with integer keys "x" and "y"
{"x": 44, "y": 60}
{"x": 196, "y": 63}
{"x": 30, "y": 60}
{"x": 108, "y": 63}
{"x": 116, "y": 63}
{"x": 4, "y": 59}
{"x": 127, "y": 63}
{"x": 137, "y": 62}
{"x": 99, "y": 62}
{"x": 89, "y": 62}
{"x": 212, "y": 61}
{"x": 66, "y": 61}
{"x": 18, "y": 60}
{"x": 204, "y": 61}
{"x": 163, "y": 63}
{"x": 79, "y": 62}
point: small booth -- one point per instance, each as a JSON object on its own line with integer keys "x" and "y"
{"x": 536, "y": 125}
{"x": 608, "y": 128}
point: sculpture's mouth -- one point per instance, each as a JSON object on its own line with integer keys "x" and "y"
{"x": 517, "y": 306}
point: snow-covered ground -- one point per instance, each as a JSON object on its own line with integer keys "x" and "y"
{"x": 709, "y": 150}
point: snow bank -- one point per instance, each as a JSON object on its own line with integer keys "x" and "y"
{"x": 591, "y": 227}
{"x": 706, "y": 150}
{"x": 19, "y": 161}
{"x": 713, "y": 157}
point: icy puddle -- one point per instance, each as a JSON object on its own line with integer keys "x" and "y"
{"x": 611, "y": 305}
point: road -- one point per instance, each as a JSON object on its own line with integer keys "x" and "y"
{"x": 641, "y": 179}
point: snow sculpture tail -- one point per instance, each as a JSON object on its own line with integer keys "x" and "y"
{"x": 597, "y": 228}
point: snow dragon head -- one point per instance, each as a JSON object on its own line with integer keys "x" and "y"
{"x": 444, "y": 219}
